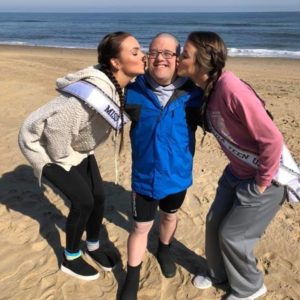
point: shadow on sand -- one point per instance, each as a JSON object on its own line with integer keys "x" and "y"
{"x": 19, "y": 191}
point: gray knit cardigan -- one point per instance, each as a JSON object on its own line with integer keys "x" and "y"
{"x": 65, "y": 130}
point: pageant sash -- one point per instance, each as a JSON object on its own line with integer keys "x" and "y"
{"x": 288, "y": 174}
{"x": 95, "y": 98}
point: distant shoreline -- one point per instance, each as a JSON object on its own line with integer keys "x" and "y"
{"x": 151, "y": 12}
{"x": 29, "y": 49}
{"x": 93, "y": 50}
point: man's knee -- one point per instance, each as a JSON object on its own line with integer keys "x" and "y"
{"x": 141, "y": 228}
{"x": 167, "y": 217}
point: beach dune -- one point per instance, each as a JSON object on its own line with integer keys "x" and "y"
{"x": 32, "y": 220}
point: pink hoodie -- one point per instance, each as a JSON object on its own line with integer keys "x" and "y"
{"x": 237, "y": 114}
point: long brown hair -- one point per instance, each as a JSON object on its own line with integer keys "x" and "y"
{"x": 109, "y": 48}
{"x": 211, "y": 56}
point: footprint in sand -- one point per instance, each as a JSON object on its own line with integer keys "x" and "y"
{"x": 5, "y": 218}
{"x": 21, "y": 232}
{"x": 40, "y": 245}
{"x": 26, "y": 267}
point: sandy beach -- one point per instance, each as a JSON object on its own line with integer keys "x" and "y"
{"x": 32, "y": 220}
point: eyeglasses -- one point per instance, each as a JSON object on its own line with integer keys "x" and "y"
{"x": 165, "y": 54}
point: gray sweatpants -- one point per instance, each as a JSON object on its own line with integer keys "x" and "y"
{"x": 236, "y": 220}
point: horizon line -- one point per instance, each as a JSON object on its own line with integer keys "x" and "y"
{"x": 149, "y": 12}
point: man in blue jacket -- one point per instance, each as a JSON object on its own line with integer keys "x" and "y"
{"x": 163, "y": 109}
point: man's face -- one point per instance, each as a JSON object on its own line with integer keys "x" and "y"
{"x": 163, "y": 70}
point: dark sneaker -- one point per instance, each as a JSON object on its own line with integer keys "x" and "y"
{"x": 103, "y": 260}
{"x": 165, "y": 260}
{"x": 79, "y": 268}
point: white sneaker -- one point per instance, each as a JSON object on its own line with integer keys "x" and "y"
{"x": 254, "y": 296}
{"x": 202, "y": 282}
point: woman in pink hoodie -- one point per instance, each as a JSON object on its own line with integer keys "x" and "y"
{"x": 246, "y": 199}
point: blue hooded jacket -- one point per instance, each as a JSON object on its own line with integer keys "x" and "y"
{"x": 162, "y": 138}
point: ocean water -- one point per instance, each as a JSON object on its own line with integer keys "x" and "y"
{"x": 245, "y": 34}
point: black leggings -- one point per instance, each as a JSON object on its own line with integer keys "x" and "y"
{"x": 83, "y": 186}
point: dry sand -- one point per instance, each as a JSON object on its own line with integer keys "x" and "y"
{"x": 32, "y": 221}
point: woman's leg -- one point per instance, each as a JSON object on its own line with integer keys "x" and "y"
{"x": 241, "y": 229}
{"x": 96, "y": 184}
{"x": 74, "y": 186}
{"x": 91, "y": 174}
{"x": 219, "y": 209}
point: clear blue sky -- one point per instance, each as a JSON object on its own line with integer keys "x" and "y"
{"x": 148, "y": 6}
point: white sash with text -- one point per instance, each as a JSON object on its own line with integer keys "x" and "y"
{"x": 97, "y": 100}
{"x": 288, "y": 174}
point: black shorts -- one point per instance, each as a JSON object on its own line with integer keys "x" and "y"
{"x": 144, "y": 207}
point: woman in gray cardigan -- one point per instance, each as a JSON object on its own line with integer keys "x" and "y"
{"x": 59, "y": 138}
